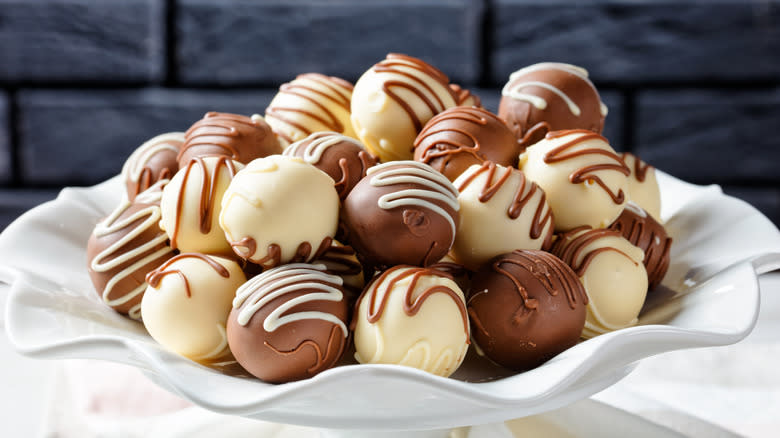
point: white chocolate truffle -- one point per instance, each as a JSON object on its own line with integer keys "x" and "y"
{"x": 394, "y": 100}
{"x": 500, "y": 211}
{"x": 414, "y": 317}
{"x": 643, "y": 187}
{"x": 278, "y": 210}
{"x": 583, "y": 177}
{"x": 186, "y": 305}
{"x": 310, "y": 103}
{"x": 613, "y": 274}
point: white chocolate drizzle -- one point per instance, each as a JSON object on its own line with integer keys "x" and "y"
{"x": 137, "y": 161}
{"x": 412, "y": 172}
{"x": 285, "y": 279}
{"x": 319, "y": 142}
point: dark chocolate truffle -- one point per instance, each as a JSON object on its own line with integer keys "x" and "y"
{"x": 289, "y": 323}
{"x": 343, "y": 158}
{"x": 550, "y": 96}
{"x": 235, "y": 136}
{"x": 644, "y": 232}
{"x": 153, "y": 161}
{"x": 459, "y": 137}
{"x": 123, "y": 248}
{"x": 402, "y": 212}
{"x": 526, "y": 307}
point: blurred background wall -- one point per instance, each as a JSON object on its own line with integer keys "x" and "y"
{"x": 693, "y": 87}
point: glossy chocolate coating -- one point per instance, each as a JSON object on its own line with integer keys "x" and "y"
{"x": 639, "y": 228}
{"x": 153, "y": 161}
{"x": 343, "y": 158}
{"x": 459, "y": 137}
{"x": 289, "y": 323}
{"x": 235, "y": 136}
{"x": 550, "y": 97}
{"x": 402, "y": 212}
{"x": 463, "y": 96}
{"x": 526, "y": 307}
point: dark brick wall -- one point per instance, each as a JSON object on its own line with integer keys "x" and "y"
{"x": 692, "y": 86}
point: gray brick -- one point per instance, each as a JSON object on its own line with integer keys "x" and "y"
{"x": 82, "y": 136}
{"x": 6, "y": 160}
{"x": 717, "y": 136}
{"x": 271, "y": 41}
{"x": 15, "y": 202}
{"x": 82, "y": 40}
{"x": 630, "y": 41}
{"x": 765, "y": 199}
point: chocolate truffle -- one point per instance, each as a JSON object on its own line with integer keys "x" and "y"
{"x": 237, "y": 137}
{"x": 500, "y": 211}
{"x": 526, "y": 307}
{"x": 646, "y": 233}
{"x": 123, "y": 248}
{"x": 414, "y": 317}
{"x": 310, "y": 103}
{"x": 611, "y": 270}
{"x": 341, "y": 260}
{"x": 550, "y": 96}
{"x": 289, "y": 323}
{"x": 402, "y": 212}
{"x": 186, "y": 305}
{"x": 191, "y": 205}
{"x": 343, "y": 158}
{"x": 392, "y": 102}
{"x": 643, "y": 187}
{"x": 153, "y": 161}
{"x": 279, "y": 210}
{"x": 463, "y": 97}
{"x": 459, "y": 137}
{"x": 583, "y": 177}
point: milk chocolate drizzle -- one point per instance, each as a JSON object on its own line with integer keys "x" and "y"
{"x": 446, "y": 147}
{"x": 155, "y": 277}
{"x": 587, "y": 173}
{"x": 321, "y": 360}
{"x": 274, "y": 254}
{"x": 339, "y": 92}
{"x": 397, "y": 64}
{"x": 208, "y": 193}
{"x": 640, "y": 167}
{"x": 571, "y": 246}
{"x": 388, "y": 280}
{"x": 217, "y": 129}
{"x": 649, "y": 237}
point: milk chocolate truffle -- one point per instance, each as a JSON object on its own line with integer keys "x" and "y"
{"x": 123, "y": 248}
{"x": 289, "y": 323}
{"x": 459, "y": 137}
{"x": 394, "y": 100}
{"x": 343, "y": 158}
{"x": 310, "y": 103}
{"x": 191, "y": 205}
{"x": 153, "y": 161}
{"x": 643, "y": 187}
{"x": 186, "y": 305}
{"x": 550, "y": 96}
{"x": 414, "y": 317}
{"x": 644, "y": 232}
{"x": 463, "y": 97}
{"x": 341, "y": 260}
{"x": 584, "y": 178}
{"x": 500, "y": 211}
{"x": 525, "y": 308}
{"x": 240, "y": 138}
{"x": 402, "y": 212}
{"x": 611, "y": 270}
{"x": 279, "y": 210}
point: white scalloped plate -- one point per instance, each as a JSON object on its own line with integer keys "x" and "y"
{"x": 709, "y": 297}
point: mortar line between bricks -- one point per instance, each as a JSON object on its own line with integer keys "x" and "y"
{"x": 485, "y": 44}
{"x": 171, "y": 69}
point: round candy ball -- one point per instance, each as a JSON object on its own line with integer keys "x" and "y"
{"x": 191, "y": 205}
{"x": 343, "y": 158}
{"x": 289, "y": 323}
{"x": 526, "y": 307}
{"x": 462, "y": 136}
{"x": 644, "y": 232}
{"x": 402, "y": 212}
{"x": 153, "y": 161}
{"x": 583, "y": 177}
{"x": 414, "y": 317}
{"x": 310, "y": 103}
{"x": 550, "y": 96}
{"x": 186, "y": 305}
{"x": 240, "y": 138}
{"x": 643, "y": 187}
{"x": 392, "y": 102}
{"x": 279, "y": 209}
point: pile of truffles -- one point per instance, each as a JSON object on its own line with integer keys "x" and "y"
{"x": 397, "y": 217}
